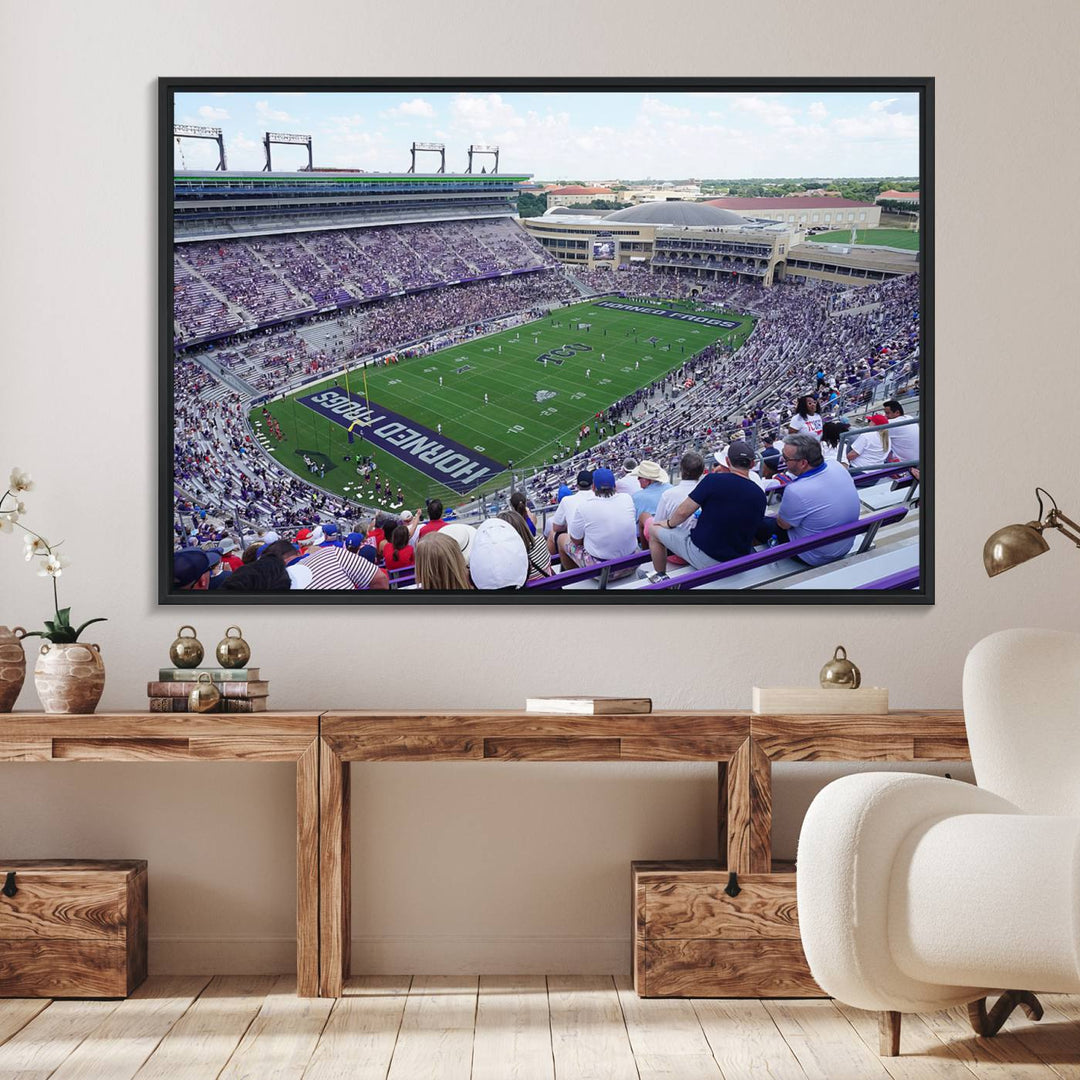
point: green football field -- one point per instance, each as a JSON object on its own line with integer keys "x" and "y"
{"x": 897, "y": 238}
{"x": 533, "y": 409}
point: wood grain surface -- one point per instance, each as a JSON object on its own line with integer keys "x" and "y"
{"x": 727, "y": 968}
{"x": 73, "y": 904}
{"x": 764, "y": 908}
{"x": 335, "y": 876}
{"x": 307, "y": 871}
{"x": 43, "y": 967}
{"x": 136, "y": 725}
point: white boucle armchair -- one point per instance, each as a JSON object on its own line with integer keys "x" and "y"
{"x": 917, "y": 893}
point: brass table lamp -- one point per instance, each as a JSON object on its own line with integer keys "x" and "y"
{"x": 1014, "y": 544}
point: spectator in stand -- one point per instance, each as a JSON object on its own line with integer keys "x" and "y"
{"x": 870, "y": 449}
{"x": 333, "y": 537}
{"x": 601, "y": 528}
{"x": 267, "y": 573}
{"x": 229, "y": 558}
{"x": 293, "y": 560}
{"x": 397, "y": 552}
{"x": 535, "y": 546}
{"x": 821, "y": 497}
{"x": 500, "y": 556}
{"x": 463, "y": 535}
{"x": 192, "y": 568}
{"x": 307, "y": 540}
{"x": 805, "y": 417}
{"x": 831, "y": 431}
{"x": 732, "y": 508}
{"x": 435, "y": 518}
{"x": 691, "y": 467}
{"x": 336, "y": 568}
{"x": 519, "y": 503}
{"x": 653, "y": 481}
{"x": 903, "y": 440}
{"x": 440, "y": 566}
{"x": 557, "y": 527}
{"x": 739, "y": 459}
{"x": 627, "y": 482}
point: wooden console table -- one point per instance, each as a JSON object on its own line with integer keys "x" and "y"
{"x": 136, "y": 736}
{"x": 742, "y": 745}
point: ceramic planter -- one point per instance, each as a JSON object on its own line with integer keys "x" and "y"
{"x": 69, "y": 678}
{"x": 12, "y": 666}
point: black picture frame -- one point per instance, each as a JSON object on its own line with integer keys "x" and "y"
{"x": 922, "y": 594}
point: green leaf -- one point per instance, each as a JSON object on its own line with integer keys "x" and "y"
{"x": 35, "y": 633}
{"x": 86, "y": 624}
{"x": 50, "y": 625}
{"x": 63, "y": 617}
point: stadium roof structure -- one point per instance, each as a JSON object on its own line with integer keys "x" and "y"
{"x": 577, "y": 189}
{"x": 676, "y": 212}
{"x": 573, "y": 211}
{"x": 890, "y": 194}
{"x": 785, "y": 202}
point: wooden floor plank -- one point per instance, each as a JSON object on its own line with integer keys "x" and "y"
{"x": 40, "y": 1048}
{"x": 280, "y": 1041}
{"x": 204, "y": 1038}
{"x": 665, "y": 1036}
{"x": 436, "y": 1037}
{"x": 825, "y": 1044}
{"x": 1004, "y": 1057}
{"x": 117, "y": 1048}
{"x": 16, "y": 1013}
{"x": 588, "y": 1032}
{"x": 513, "y": 1029}
{"x": 745, "y": 1041}
{"x": 358, "y": 1042}
{"x": 923, "y": 1056}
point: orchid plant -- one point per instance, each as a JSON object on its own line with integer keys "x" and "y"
{"x": 51, "y": 563}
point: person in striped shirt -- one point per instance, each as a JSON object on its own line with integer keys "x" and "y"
{"x": 339, "y": 568}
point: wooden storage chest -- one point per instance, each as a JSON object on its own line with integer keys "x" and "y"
{"x": 692, "y": 939}
{"x": 71, "y": 928}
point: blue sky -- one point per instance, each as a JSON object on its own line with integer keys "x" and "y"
{"x": 586, "y": 136}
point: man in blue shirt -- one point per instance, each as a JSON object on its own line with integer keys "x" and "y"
{"x": 732, "y": 509}
{"x": 652, "y": 481}
{"x": 822, "y": 496}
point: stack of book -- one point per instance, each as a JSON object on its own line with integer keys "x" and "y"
{"x": 241, "y": 689}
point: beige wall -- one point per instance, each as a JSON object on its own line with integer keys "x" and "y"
{"x": 488, "y": 867}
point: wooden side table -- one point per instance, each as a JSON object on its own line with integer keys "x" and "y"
{"x": 136, "y": 736}
{"x": 721, "y": 737}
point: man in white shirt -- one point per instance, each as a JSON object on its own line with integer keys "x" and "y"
{"x": 628, "y": 482}
{"x": 691, "y": 466}
{"x": 903, "y": 441}
{"x": 557, "y": 525}
{"x": 600, "y": 528}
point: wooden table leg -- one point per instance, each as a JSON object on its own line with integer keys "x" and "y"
{"x": 334, "y": 872}
{"x": 307, "y": 872}
{"x": 749, "y": 810}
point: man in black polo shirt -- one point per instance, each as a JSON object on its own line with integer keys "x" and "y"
{"x": 732, "y": 508}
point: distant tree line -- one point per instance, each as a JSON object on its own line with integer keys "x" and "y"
{"x": 530, "y": 205}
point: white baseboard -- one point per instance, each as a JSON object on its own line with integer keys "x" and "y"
{"x": 428, "y": 954}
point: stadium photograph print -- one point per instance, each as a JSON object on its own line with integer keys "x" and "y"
{"x": 551, "y": 341}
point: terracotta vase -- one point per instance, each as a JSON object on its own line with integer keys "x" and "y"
{"x": 12, "y": 666}
{"x": 69, "y": 678}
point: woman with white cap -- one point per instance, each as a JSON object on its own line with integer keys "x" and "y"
{"x": 499, "y": 559}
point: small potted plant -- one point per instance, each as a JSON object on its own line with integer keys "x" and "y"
{"x": 69, "y": 674}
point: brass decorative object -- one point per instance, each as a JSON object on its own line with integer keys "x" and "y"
{"x": 233, "y": 652}
{"x": 12, "y": 666}
{"x": 840, "y": 673}
{"x": 204, "y": 696}
{"x": 1014, "y": 544}
{"x": 186, "y": 652}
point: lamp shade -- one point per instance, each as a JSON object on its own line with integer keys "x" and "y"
{"x": 1012, "y": 545}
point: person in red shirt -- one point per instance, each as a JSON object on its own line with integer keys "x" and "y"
{"x": 397, "y": 552}
{"x": 435, "y": 522}
{"x": 229, "y": 555}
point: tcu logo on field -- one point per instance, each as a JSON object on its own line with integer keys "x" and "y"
{"x": 545, "y": 395}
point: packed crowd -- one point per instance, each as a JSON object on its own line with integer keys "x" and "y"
{"x": 223, "y": 285}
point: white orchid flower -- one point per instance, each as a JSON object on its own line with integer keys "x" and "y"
{"x": 34, "y": 545}
{"x": 54, "y": 566}
{"x": 7, "y": 520}
{"x": 20, "y": 481}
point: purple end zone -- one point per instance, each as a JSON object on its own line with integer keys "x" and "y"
{"x": 440, "y": 459}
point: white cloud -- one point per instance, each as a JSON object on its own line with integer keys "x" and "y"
{"x": 768, "y": 112}
{"x": 881, "y": 106}
{"x": 653, "y": 108}
{"x": 416, "y": 107}
{"x": 879, "y": 126}
{"x": 208, "y": 112}
{"x": 817, "y": 110}
{"x": 476, "y": 113}
{"x": 264, "y": 112}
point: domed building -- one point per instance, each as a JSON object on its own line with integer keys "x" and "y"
{"x": 695, "y": 239}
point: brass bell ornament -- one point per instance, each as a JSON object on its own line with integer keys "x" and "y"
{"x": 204, "y": 696}
{"x": 840, "y": 673}
{"x": 186, "y": 652}
{"x": 233, "y": 652}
